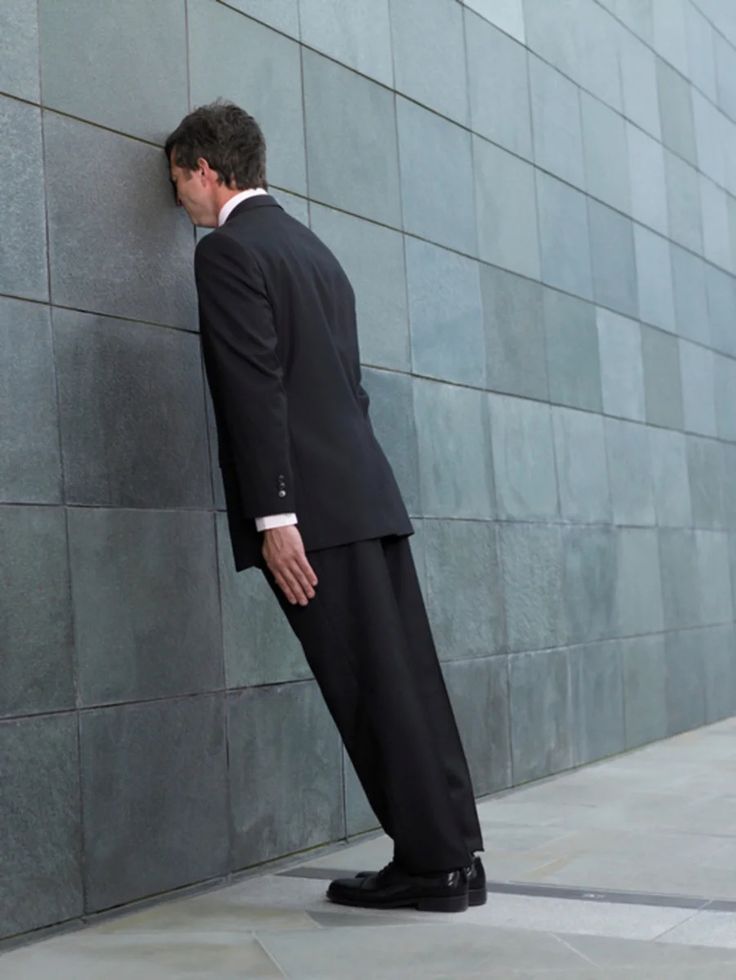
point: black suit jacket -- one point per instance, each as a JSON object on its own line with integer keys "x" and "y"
{"x": 280, "y": 346}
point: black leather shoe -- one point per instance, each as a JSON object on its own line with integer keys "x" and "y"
{"x": 392, "y": 887}
{"x": 477, "y": 891}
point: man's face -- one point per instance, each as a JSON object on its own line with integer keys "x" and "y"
{"x": 196, "y": 192}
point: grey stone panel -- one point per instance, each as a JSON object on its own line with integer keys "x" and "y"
{"x": 465, "y": 588}
{"x": 647, "y": 178}
{"x": 571, "y": 344}
{"x": 685, "y": 680}
{"x": 612, "y": 258}
{"x": 670, "y": 478}
{"x": 714, "y": 577}
{"x": 36, "y": 612}
{"x": 676, "y": 112}
{"x": 523, "y": 458}
{"x": 720, "y": 290}
{"x": 709, "y": 123}
{"x": 591, "y": 581}
{"x": 236, "y": 58}
{"x": 19, "y": 49}
{"x": 507, "y": 222}
{"x": 540, "y": 701}
{"x": 513, "y": 318}
{"x": 391, "y": 414}
{"x": 597, "y": 700}
{"x": 698, "y": 388}
{"x": 729, "y": 482}
{"x": 719, "y": 673}
{"x": 355, "y": 33}
{"x": 507, "y": 15}
{"x": 629, "y": 469}
{"x": 281, "y": 14}
{"x": 639, "y": 83}
{"x": 436, "y": 178}
{"x": 576, "y": 38}
{"x": 352, "y": 152}
{"x": 154, "y": 797}
{"x": 479, "y": 694}
{"x": 714, "y": 213}
{"x": 425, "y": 35}
{"x": 582, "y": 468}
{"x": 556, "y": 122}
{"x": 726, "y": 74}
{"x": 669, "y": 37}
{"x": 30, "y": 462}
{"x": 622, "y": 369}
{"x": 447, "y": 335}
{"x": 679, "y": 575}
{"x": 41, "y": 869}
{"x": 690, "y": 295}
{"x": 285, "y": 771}
{"x": 132, "y": 413}
{"x": 455, "y": 461}
{"x": 662, "y": 379}
{"x": 129, "y": 255}
{"x": 373, "y": 258}
{"x": 606, "y": 160}
{"x": 22, "y": 218}
{"x": 645, "y": 704}
{"x": 532, "y": 561}
{"x": 707, "y": 485}
{"x": 259, "y": 645}
{"x": 564, "y": 240}
{"x": 639, "y": 586}
{"x": 498, "y": 86}
{"x": 655, "y": 289}
{"x": 146, "y": 609}
{"x": 136, "y": 82}
{"x": 683, "y": 202}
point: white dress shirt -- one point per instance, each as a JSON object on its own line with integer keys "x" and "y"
{"x": 270, "y": 520}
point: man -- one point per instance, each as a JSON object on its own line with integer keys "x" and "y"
{"x": 312, "y": 501}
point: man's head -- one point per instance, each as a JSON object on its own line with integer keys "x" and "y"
{"x": 215, "y": 151}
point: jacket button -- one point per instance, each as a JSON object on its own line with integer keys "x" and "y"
{"x": 282, "y": 493}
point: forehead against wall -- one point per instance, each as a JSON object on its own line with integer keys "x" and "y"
{"x": 535, "y": 204}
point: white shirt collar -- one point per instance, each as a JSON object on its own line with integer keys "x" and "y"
{"x": 235, "y": 200}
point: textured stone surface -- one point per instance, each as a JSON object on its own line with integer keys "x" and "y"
{"x": 154, "y": 795}
{"x": 23, "y": 241}
{"x": 285, "y": 787}
{"x": 130, "y": 253}
{"x": 39, "y": 812}
{"x": 36, "y": 612}
{"x": 351, "y": 141}
{"x": 436, "y": 178}
{"x": 30, "y": 466}
{"x": 119, "y": 447}
{"x": 146, "y": 609}
{"x": 135, "y": 83}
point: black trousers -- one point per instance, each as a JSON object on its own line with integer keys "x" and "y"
{"x": 367, "y": 640}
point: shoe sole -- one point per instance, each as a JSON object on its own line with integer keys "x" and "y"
{"x": 428, "y": 903}
{"x": 477, "y": 896}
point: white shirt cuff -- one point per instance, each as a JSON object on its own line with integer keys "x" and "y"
{"x": 275, "y": 520}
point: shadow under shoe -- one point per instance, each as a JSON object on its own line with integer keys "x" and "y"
{"x": 477, "y": 891}
{"x": 392, "y": 887}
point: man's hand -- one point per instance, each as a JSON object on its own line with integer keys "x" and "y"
{"x": 283, "y": 551}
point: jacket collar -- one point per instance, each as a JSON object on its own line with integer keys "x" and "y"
{"x": 256, "y": 201}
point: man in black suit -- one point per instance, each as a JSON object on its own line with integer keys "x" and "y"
{"x": 313, "y": 503}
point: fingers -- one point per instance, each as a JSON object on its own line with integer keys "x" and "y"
{"x": 296, "y": 580}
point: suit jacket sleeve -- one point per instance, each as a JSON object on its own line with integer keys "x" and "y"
{"x": 239, "y": 345}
